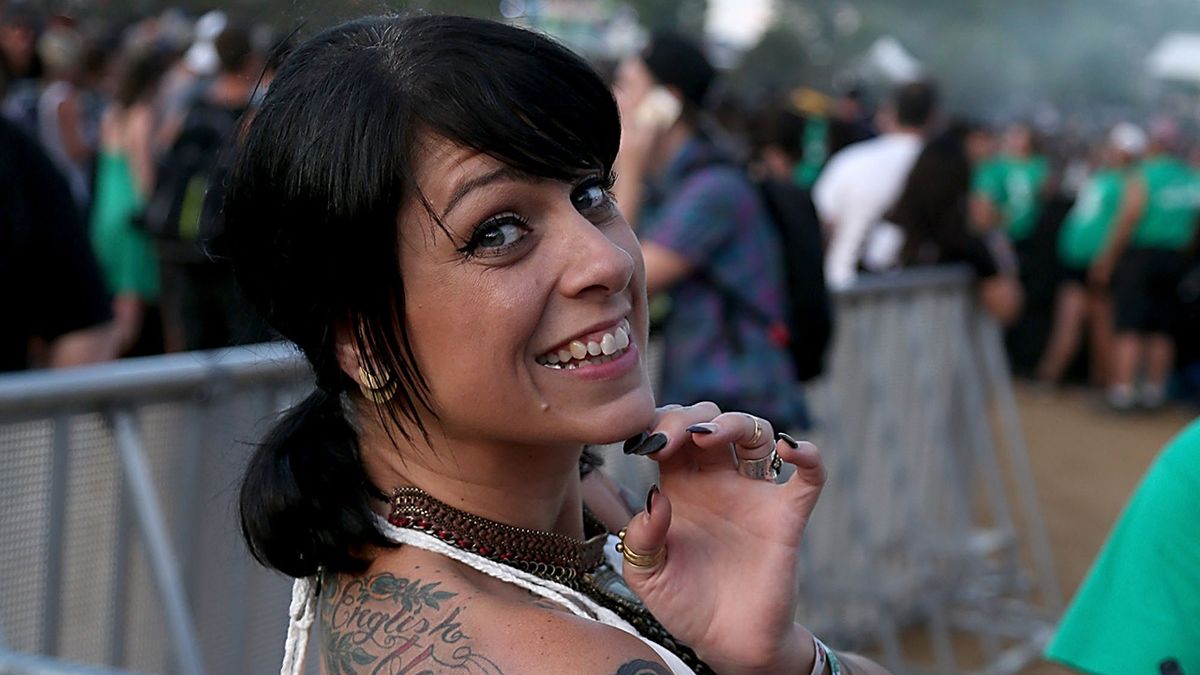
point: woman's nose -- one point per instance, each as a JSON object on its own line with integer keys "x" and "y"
{"x": 595, "y": 263}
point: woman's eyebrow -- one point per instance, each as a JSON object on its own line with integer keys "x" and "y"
{"x": 504, "y": 173}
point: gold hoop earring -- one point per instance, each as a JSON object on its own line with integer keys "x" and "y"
{"x": 374, "y": 388}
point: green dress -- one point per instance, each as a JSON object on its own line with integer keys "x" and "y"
{"x": 1014, "y": 185}
{"x": 1090, "y": 220}
{"x": 126, "y": 254}
{"x": 1140, "y": 603}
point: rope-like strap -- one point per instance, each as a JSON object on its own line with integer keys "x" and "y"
{"x": 301, "y": 614}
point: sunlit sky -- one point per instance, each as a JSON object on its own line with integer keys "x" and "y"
{"x": 739, "y": 22}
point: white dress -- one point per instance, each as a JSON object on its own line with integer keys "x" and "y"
{"x": 303, "y": 609}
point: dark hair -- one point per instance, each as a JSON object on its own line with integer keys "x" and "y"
{"x": 311, "y": 215}
{"x": 233, "y": 47}
{"x": 776, "y": 125}
{"x": 915, "y": 103}
{"x": 932, "y": 208}
{"x": 676, "y": 61}
{"x": 138, "y": 75}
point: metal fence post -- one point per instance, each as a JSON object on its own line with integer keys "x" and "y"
{"x": 153, "y": 527}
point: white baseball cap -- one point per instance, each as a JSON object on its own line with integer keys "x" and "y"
{"x": 1128, "y": 138}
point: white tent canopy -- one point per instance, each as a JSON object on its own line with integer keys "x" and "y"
{"x": 1176, "y": 57}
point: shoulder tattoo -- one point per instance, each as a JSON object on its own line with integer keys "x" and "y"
{"x": 387, "y": 625}
{"x": 642, "y": 667}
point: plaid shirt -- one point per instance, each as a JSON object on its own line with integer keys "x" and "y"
{"x": 706, "y": 210}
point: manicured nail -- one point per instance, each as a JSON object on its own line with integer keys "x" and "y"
{"x": 655, "y": 442}
{"x": 702, "y": 428}
{"x": 650, "y": 498}
{"x": 633, "y": 443}
{"x": 787, "y": 439}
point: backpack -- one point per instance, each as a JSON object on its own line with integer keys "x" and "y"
{"x": 807, "y": 329}
{"x": 188, "y": 171}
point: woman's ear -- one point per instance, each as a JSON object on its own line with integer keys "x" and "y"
{"x": 349, "y": 359}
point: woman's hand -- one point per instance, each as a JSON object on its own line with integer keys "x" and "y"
{"x": 727, "y": 585}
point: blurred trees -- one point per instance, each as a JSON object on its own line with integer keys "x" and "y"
{"x": 994, "y": 57}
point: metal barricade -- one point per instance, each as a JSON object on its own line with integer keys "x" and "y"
{"x": 914, "y": 527}
{"x": 118, "y": 499}
{"x": 117, "y": 515}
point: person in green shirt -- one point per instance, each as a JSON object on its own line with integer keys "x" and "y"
{"x": 1139, "y": 607}
{"x": 1010, "y": 186}
{"x": 1143, "y": 260}
{"x": 1082, "y": 235}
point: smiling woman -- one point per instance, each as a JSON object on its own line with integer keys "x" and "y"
{"x": 422, "y": 205}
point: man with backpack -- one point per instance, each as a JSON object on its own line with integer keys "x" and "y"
{"x": 201, "y": 304}
{"x": 708, "y": 240}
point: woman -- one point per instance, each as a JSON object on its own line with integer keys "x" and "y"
{"x": 421, "y": 205}
{"x": 124, "y": 178}
{"x": 928, "y": 226}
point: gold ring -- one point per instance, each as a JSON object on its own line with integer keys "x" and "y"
{"x": 757, "y": 433}
{"x": 639, "y": 560}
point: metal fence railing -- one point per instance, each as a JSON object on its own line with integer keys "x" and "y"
{"x": 119, "y": 545}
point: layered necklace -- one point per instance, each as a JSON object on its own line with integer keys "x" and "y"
{"x": 577, "y": 564}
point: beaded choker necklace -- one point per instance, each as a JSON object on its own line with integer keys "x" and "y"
{"x": 576, "y": 564}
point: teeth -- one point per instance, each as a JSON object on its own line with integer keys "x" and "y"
{"x": 578, "y": 353}
{"x": 578, "y": 349}
{"x": 608, "y": 344}
{"x": 621, "y": 339}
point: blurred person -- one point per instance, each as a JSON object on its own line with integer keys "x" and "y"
{"x": 201, "y": 306}
{"x": 124, "y": 180}
{"x": 20, "y": 66}
{"x": 850, "y": 122}
{"x": 862, "y": 181}
{"x": 61, "y": 120}
{"x": 1143, "y": 260}
{"x": 54, "y": 293}
{"x": 707, "y": 239}
{"x": 1136, "y": 611}
{"x": 1084, "y": 233}
{"x": 776, "y": 135}
{"x": 1010, "y": 187}
{"x": 928, "y": 225}
{"x": 188, "y": 77}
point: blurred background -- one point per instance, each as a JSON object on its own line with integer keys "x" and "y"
{"x": 989, "y": 390}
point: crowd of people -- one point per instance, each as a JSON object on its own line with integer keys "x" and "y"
{"x": 124, "y": 129}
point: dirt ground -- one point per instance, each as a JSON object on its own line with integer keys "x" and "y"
{"x": 1086, "y": 463}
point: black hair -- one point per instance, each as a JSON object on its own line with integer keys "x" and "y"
{"x": 138, "y": 75}
{"x": 312, "y": 230}
{"x": 234, "y": 48}
{"x": 915, "y": 103}
{"x": 779, "y": 126}
{"x": 932, "y": 207}
{"x": 677, "y": 61}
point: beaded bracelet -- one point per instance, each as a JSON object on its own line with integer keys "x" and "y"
{"x": 823, "y": 655}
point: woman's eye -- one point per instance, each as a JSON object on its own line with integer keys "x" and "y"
{"x": 498, "y": 236}
{"x": 590, "y": 196}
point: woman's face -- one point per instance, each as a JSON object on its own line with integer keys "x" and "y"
{"x": 530, "y": 323}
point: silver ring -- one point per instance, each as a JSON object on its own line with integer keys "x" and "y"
{"x": 765, "y": 468}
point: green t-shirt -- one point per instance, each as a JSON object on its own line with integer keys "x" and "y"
{"x": 816, "y": 139}
{"x": 1169, "y": 220}
{"x": 1091, "y": 218}
{"x": 1014, "y": 185}
{"x": 1140, "y": 603}
{"x": 125, "y": 253}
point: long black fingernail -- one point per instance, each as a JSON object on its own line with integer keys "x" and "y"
{"x": 650, "y": 498}
{"x": 655, "y": 442}
{"x": 787, "y": 439}
{"x": 703, "y": 428}
{"x": 633, "y": 443}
